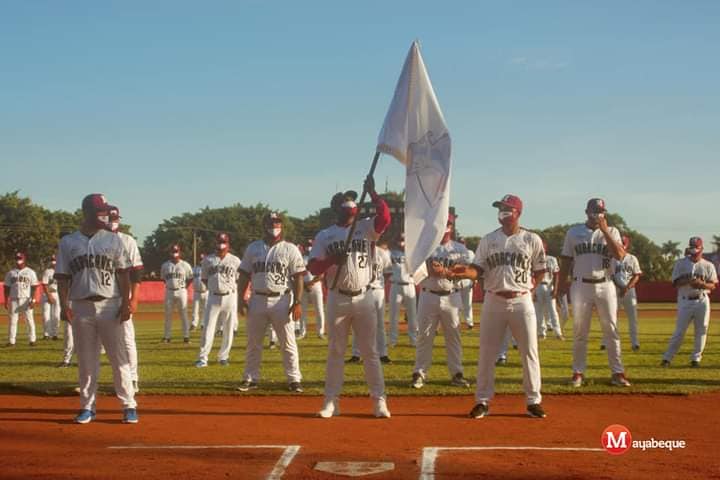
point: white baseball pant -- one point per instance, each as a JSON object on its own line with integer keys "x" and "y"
{"x": 314, "y": 296}
{"x": 404, "y": 295}
{"x": 562, "y": 304}
{"x": 697, "y": 312}
{"x": 96, "y": 323}
{"x": 545, "y": 308}
{"x": 199, "y": 302}
{"x": 466, "y": 294}
{"x": 131, "y": 347}
{"x": 629, "y": 304}
{"x": 434, "y": 310}
{"x": 358, "y": 312}
{"x": 68, "y": 343}
{"x": 506, "y": 341}
{"x": 219, "y": 308}
{"x": 499, "y": 314}
{"x": 264, "y": 311}
{"x": 378, "y": 295}
{"x": 602, "y": 295}
{"x": 176, "y": 298}
{"x": 51, "y": 314}
{"x": 20, "y": 306}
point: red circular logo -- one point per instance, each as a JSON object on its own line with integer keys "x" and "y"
{"x": 616, "y": 439}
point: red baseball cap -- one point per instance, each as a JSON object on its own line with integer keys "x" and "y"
{"x": 695, "y": 242}
{"x": 175, "y": 248}
{"x": 596, "y": 205}
{"x": 222, "y": 238}
{"x": 509, "y": 200}
{"x": 95, "y": 202}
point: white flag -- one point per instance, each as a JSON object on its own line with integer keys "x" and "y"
{"x": 415, "y": 133}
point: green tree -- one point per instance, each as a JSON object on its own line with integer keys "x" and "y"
{"x": 716, "y": 243}
{"x": 670, "y": 250}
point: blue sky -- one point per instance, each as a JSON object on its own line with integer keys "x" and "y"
{"x": 168, "y": 107}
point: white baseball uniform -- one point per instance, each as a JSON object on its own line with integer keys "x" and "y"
{"x": 271, "y": 269}
{"x": 440, "y": 304}
{"x": 313, "y": 294}
{"x": 625, "y": 270}
{"x": 350, "y": 305}
{"x": 402, "y": 292}
{"x": 545, "y": 305}
{"x": 176, "y": 276}
{"x": 508, "y": 264}
{"x": 21, "y": 282}
{"x": 91, "y": 263}
{"x": 134, "y": 260}
{"x": 221, "y": 275}
{"x": 200, "y": 296}
{"x": 50, "y": 311}
{"x": 381, "y": 263}
{"x": 592, "y": 285}
{"x": 693, "y": 306}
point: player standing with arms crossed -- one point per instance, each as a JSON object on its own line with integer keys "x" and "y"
{"x": 275, "y": 269}
{"x": 510, "y": 260}
{"x": 350, "y": 304}
{"x": 589, "y": 248}
{"x": 20, "y": 285}
{"x": 92, "y": 273}
{"x": 695, "y": 278}
{"x": 200, "y": 295}
{"x": 178, "y": 276}
{"x": 220, "y": 274}
{"x": 626, "y": 276}
{"x": 50, "y": 303}
{"x": 402, "y": 293}
{"x": 440, "y": 304}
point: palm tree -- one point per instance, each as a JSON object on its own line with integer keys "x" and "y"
{"x": 670, "y": 249}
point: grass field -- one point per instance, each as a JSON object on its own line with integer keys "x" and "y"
{"x": 168, "y": 368}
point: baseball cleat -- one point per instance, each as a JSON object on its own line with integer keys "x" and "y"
{"x": 186, "y": 339}
{"x": 321, "y": 336}
{"x": 602, "y": 347}
{"x": 480, "y": 410}
{"x": 635, "y": 348}
{"x": 192, "y": 327}
{"x": 385, "y": 359}
{"x": 665, "y": 363}
{"x": 63, "y": 365}
{"x": 536, "y": 411}
{"x": 459, "y": 381}
{"x": 353, "y": 359}
{"x": 542, "y": 336}
{"x": 514, "y": 346}
{"x": 501, "y": 361}
{"x": 224, "y": 362}
{"x": 619, "y": 380}
{"x": 130, "y": 415}
{"x": 247, "y": 385}
{"x": 55, "y": 338}
{"x": 295, "y": 387}
{"x": 330, "y": 408}
{"x": 136, "y": 386}
{"x": 272, "y": 346}
{"x": 165, "y": 340}
{"x": 380, "y": 408}
{"x": 201, "y": 364}
{"x": 577, "y": 380}
{"x": 695, "y": 364}
{"x": 32, "y": 344}
{"x": 560, "y": 337}
{"x": 417, "y": 380}
{"x": 8, "y": 345}
{"x": 85, "y": 416}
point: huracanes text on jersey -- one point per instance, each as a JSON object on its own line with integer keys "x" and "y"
{"x": 625, "y": 269}
{"x": 91, "y": 263}
{"x": 176, "y": 275}
{"x": 20, "y": 281}
{"x": 221, "y": 274}
{"x": 447, "y": 254}
{"x": 271, "y": 267}
{"x": 357, "y": 272}
{"x": 589, "y": 251}
{"x": 508, "y": 262}
{"x": 686, "y": 269}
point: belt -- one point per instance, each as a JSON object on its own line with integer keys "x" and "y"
{"x": 440, "y": 293}
{"x": 95, "y": 298}
{"x": 271, "y": 294}
{"x": 592, "y": 280}
{"x": 693, "y": 297}
{"x": 221, "y": 294}
{"x": 401, "y": 283}
{"x": 510, "y": 294}
{"x": 544, "y": 283}
{"x": 175, "y": 289}
{"x": 353, "y": 293}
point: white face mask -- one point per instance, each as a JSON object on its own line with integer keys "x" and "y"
{"x": 176, "y": 255}
{"x": 693, "y": 251}
{"x": 20, "y": 263}
{"x": 503, "y": 215}
{"x": 53, "y": 263}
{"x": 114, "y": 226}
{"x": 275, "y": 231}
{"x": 401, "y": 244}
{"x": 222, "y": 246}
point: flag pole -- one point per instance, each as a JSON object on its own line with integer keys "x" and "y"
{"x": 354, "y": 223}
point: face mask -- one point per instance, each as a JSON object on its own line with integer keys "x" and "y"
{"x": 222, "y": 247}
{"x": 274, "y": 232}
{"x": 693, "y": 251}
{"x": 20, "y": 263}
{"x": 114, "y": 226}
{"x": 347, "y": 211}
{"x": 401, "y": 244}
{"x": 53, "y": 263}
{"x": 176, "y": 255}
{"x": 503, "y": 215}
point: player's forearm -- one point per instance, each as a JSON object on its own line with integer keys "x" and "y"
{"x": 564, "y": 272}
{"x": 633, "y": 281}
{"x": 32, "y": 292}
{"x": 63, "y": 292}
{"x": 6, "y": 291}
{"x": 382, "y": 213}
{"x": 298, "y": 287}
{"x": 243, "y": 283}
{"x": 616, "y": 248}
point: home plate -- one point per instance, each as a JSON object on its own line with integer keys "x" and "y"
{"x": 354, "y": 469}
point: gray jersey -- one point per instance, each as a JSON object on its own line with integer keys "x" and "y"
{"x": 48, "y": 279}
{"x": 686, "y": 269}
{"x": 271, "y": 267}
{"x": 589, "y": 251}
{"x": 508, "y": 262}
{"x": 221, "y": 274}
{"x": 447, "y": 254}
{"x": 625, "y": 269}
{"x": 91, "y": 263}
{"x": 176, "y": 275}
{"x": 20, "y": 282}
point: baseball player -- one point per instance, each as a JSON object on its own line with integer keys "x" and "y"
{"x": 276, "y": 269}
{"x": 220, "y": 274}
{"x": 511, "y": 260}
{"x": 589, "y": 248}
{"x": 136, "y": 271}
{"x": 349, "y": 303}
{"x": 313, "y": 294}
{"x": 381, "y": 264}
{"x": 402, "y": 292}
{"x": 545, "y": 306}
{"x": 695, "y": 278}
{"x": 626, "y": 276}
{"x": 200, "y": 295}
{"x": 94, "y": 287}
{"x": 20, "y": 285}
{"x": 178, "y": 276}
{"x": 466, "y": 294}
{"x": 49, "y": 302}
{"x": 440, "y": 304}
